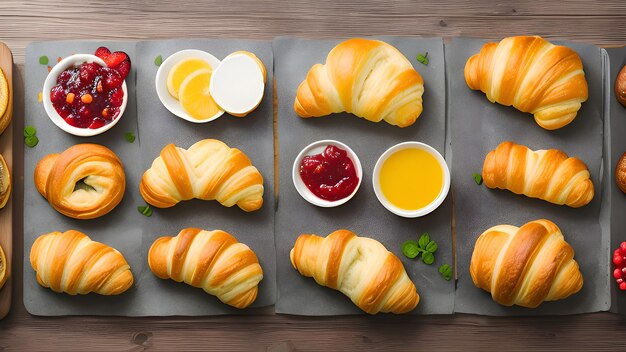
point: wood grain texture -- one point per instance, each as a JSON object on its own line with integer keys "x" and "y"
{"x": 601, "y": 23}
{"x": 6, "y": 149}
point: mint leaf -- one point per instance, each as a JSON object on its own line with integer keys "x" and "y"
{"x": 478, "y": 179}
{"x": 446, "y": 271}
{"x": 428, "y": 258}
{"x": 145, "y": 210}
{"x": 158, "y": 60}
{"x": 423, "y": 240}
{"x": 31, "y": 141}
{"x": 410, "y": 249}
{"x": 130, "y": 137}
{"x": 432, "y": 246}
{"x": 29, "y": 131}
{"x": 422, "y": 58}
{"x": 43, "y": 60}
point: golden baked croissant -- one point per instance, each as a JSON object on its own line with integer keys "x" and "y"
{"x": 546, "y": 174}
{"x": 84, "y": 182}
{"x": 525, "y": 265}
{"x": 533, "y": 75}
{"x": 368, "y": 78}
{"x": 360, "y": 267}
{"x": 71, "y": 262}
{"x": 208, "y": 170}
{"x": 212, "y": 260}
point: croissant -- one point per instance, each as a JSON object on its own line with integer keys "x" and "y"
{"x": 545, "y": 174}
{"x": 525, "y": 265}
{"x": 533, "y": 75}
{"x": 208, "y": 170}
{"x": 212, "y": 260}
{"x": 86, "y": 181}
{"x": 359, "y": 267}
{"x": 71, "y": 262}
{"x": 368, "y": 78}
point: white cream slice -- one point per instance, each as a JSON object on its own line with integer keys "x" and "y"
{"x": 238, "y": 83}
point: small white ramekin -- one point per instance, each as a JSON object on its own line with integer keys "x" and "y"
{"x": 51, "y": 81}
{"x": 160, "y": 82}
{"x": 418, "y": 212}
{"x": 317, "y": 148}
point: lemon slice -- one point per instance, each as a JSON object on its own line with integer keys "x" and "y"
{"x": 4, "y": 93}
{"x": 181, "y": 70}
{"x": 3, "y": 268}
{"x": 194, "y": 95}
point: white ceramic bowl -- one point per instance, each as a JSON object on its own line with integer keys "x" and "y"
{"x": 51, "y": 81}
{"x": 317, "y": 148}
{"x": 160, "y": 82}
{"x": 430, "y": 207}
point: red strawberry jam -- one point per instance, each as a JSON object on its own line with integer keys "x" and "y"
{"x": 330, "y": 175}
{"x": 89, "y": 95}
{"x": 619, "y": 264}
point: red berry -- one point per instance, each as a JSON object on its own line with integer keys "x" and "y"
{"x": 617, "y": 260}
{"x": 622, "y": 286}
{"x": 84, "y": 112}
{"x": 622, "y": 248}
{"x": 57, "y": 94}
{"x": 113, "y": 80}
{"x": 97, "y": 123}
{"x": 617, "y": 273}
{"x": 87, "y": 72}
{"x": 617, "y": 252}
{"x": 619, "y": 281}
{"x": 64, "y": 77}
{"x": 116, "y": 97}
{"x": 113, "y": 112}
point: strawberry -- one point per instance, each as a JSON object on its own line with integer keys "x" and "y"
{"x": 102, "y": 52}
{"x": 118, "y": 60}
{"x": 123, "y": 68}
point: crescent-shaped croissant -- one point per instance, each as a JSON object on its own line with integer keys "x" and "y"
{"x": 368, "y": 78}
{"x": 545, "y": 174}
{"x": 525, "y": 265}
{"x": 359, "y": 267}
{"x": 533, "y": 75}
{"x": 208, "y": 170}
{"x": 71, "y": 262}
{"x": 212, "y": 260}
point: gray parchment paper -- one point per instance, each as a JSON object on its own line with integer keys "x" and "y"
{"x": 253, "y": 135}
{"x": 363, "y": 214}
{"x": 120, "y": 229}
{"x": 126, "y": 229}
{"x": 477, "y": 127}
{"x": 616, "y": 147}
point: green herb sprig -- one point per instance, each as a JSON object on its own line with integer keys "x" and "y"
{"x": 43, "y": 60}
{"x": 422, "y": 58}
{"x": 30, "y": 136}
{"x": 477, "y": 178}
{"x": 424, "y": 247}
{"x": 145, "y": 210}
{"x": 446, "y": 271}
{"x": 158, "y": 60}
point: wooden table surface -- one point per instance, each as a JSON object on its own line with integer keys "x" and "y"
{"x": 600, "y": 23}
